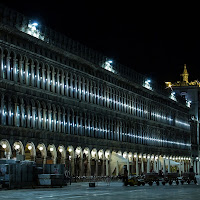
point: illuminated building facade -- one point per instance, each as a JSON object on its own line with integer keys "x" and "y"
{"x": 191, "y": 92}
{"x": 62, "y": 102}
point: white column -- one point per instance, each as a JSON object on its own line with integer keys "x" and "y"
{"x": 148, "y": 163}
{"x": 169, "y": 170}
{"x": 26, "y": 73}
{"x": 48, "y": 82}
{"x": 164, "y": 167}
{"x": 137, "y": 167}
{"x": 49, "y": 120}
{"x": 142, "y": 164}
{"x": 32, "y": 75}
{"x": 62, "y": 85}
{"x": 128, "y": 168}
{"x": 107, "y": 168}
{"x": 195, "y": 166}
{"x": 8, "y": 67}
{"x": 198, "y": 167}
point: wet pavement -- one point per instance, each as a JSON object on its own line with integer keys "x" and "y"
{"x": 114, "y": 191}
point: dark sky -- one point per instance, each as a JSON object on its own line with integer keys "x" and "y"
{"x": 153, "y": 39}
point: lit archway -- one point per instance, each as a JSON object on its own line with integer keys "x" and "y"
{"x": 5, "y": 149}
{"x": 18, "y": 150}
{"x": 41, "y": 154}
{"x": 51, "y": 154}
{"x": 30, "y": 152}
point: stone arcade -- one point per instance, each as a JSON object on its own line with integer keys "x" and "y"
{"x": 62, "y": 102}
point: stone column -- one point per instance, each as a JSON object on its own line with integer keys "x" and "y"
{"x": 66, "y": 84}
{"x": 54, "y": 120}
{"x": 32, "y": 75}
{"x": 97, "y": 93}
{"x": 58, "y": 82}
{"x": 43, "y": 80}
{"x": 142, "y": 164}
{"x": 63, "y": 120}
{"x": 91, "y": 92}
{"x": 49, "y": 120}
{"x": 75, "y": 86}
{"x": 38, "y": 76}
{"x": 22, "y": 114}
{"x": 169, "y": 170}
{"x": 53, "y": 80}
{"x": 28, "y": 116}
{"x": 44, "y": 118}
{"x": 83, "y": 89}
{"x": 79, "y": 88}
{"x": 154, "y": 165}
{"x": 1, "y": 65}
{"x": 81, "y": 125}
{"x": 164, "y": 166}
{"x": 9, "y": 111}
{"x": 48, "y": 82}
{"x": 137, "y": 167}
{"x": 195, "y": 166}
{"x": 68, "y": 122}
{"x": 87, "y": 90}
{"x": 107, "y": 168}
{"x": 198, "y": 166}
{"x": 103, "y": 168}
{"x": 39, "y": 118}
{"x": 59, "y": 122}
{"x": 62, "y": 85}
{"x": 8, "y": 67}
{"x": 33, "y": 116}
{"x": 148, "y": 163}
{"x": 14, "y": 70}
{"x": 96, "y": 171}
{"x": 89, "y": 167}
{"x": 77, "y": 124}
{"x": 21, "y": 71}
{"x": 27, "y": 73}
{"x": 71, "y": 85}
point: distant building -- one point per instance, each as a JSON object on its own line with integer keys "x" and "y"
{"x": 191, "y": 92}
{"x": 61, "y": 102}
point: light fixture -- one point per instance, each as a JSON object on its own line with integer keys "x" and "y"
{"x": 35, "y": 24}
{"x": 4, "y": 146}
{"x": 51, "y": 149}
{"x": 17, "y": 146}
{"x": 40, "y": 148}
{"x": 61, "y": 150}
{"x": 29, "y": 147}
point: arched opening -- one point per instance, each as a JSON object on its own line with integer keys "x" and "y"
{"x": 41, "y": 154}
{"x": 51, "y": 154}
{"x": 30, "y": 151}
{"x": 5, "y": 149}
{"x": 78, "y": 161}
{"x": 101, "y": 163}
{"x": 18, "y": 151}
{"x": 61, "y": 155}
{"x": 70, "y": 160}
{"x": 86, "y": 162}
{"x": 94, "y": 162}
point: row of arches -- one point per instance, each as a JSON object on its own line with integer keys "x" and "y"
{"x": 86, "y": 162}
{"x": 43, "y": 75}
{"x": 23, "y": 112}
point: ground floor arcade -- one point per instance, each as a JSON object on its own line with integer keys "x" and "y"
{"x": 84, "y": 161}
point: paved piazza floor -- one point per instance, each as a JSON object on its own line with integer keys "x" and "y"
{"x": 115, "y": 191}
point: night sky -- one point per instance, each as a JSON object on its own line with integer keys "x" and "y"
{"x": 153, "y": 39}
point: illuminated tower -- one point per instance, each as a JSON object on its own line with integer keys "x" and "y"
{"x": 185, "y": 74}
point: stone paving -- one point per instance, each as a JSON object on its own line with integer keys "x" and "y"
{"x": 114, "y": 191}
